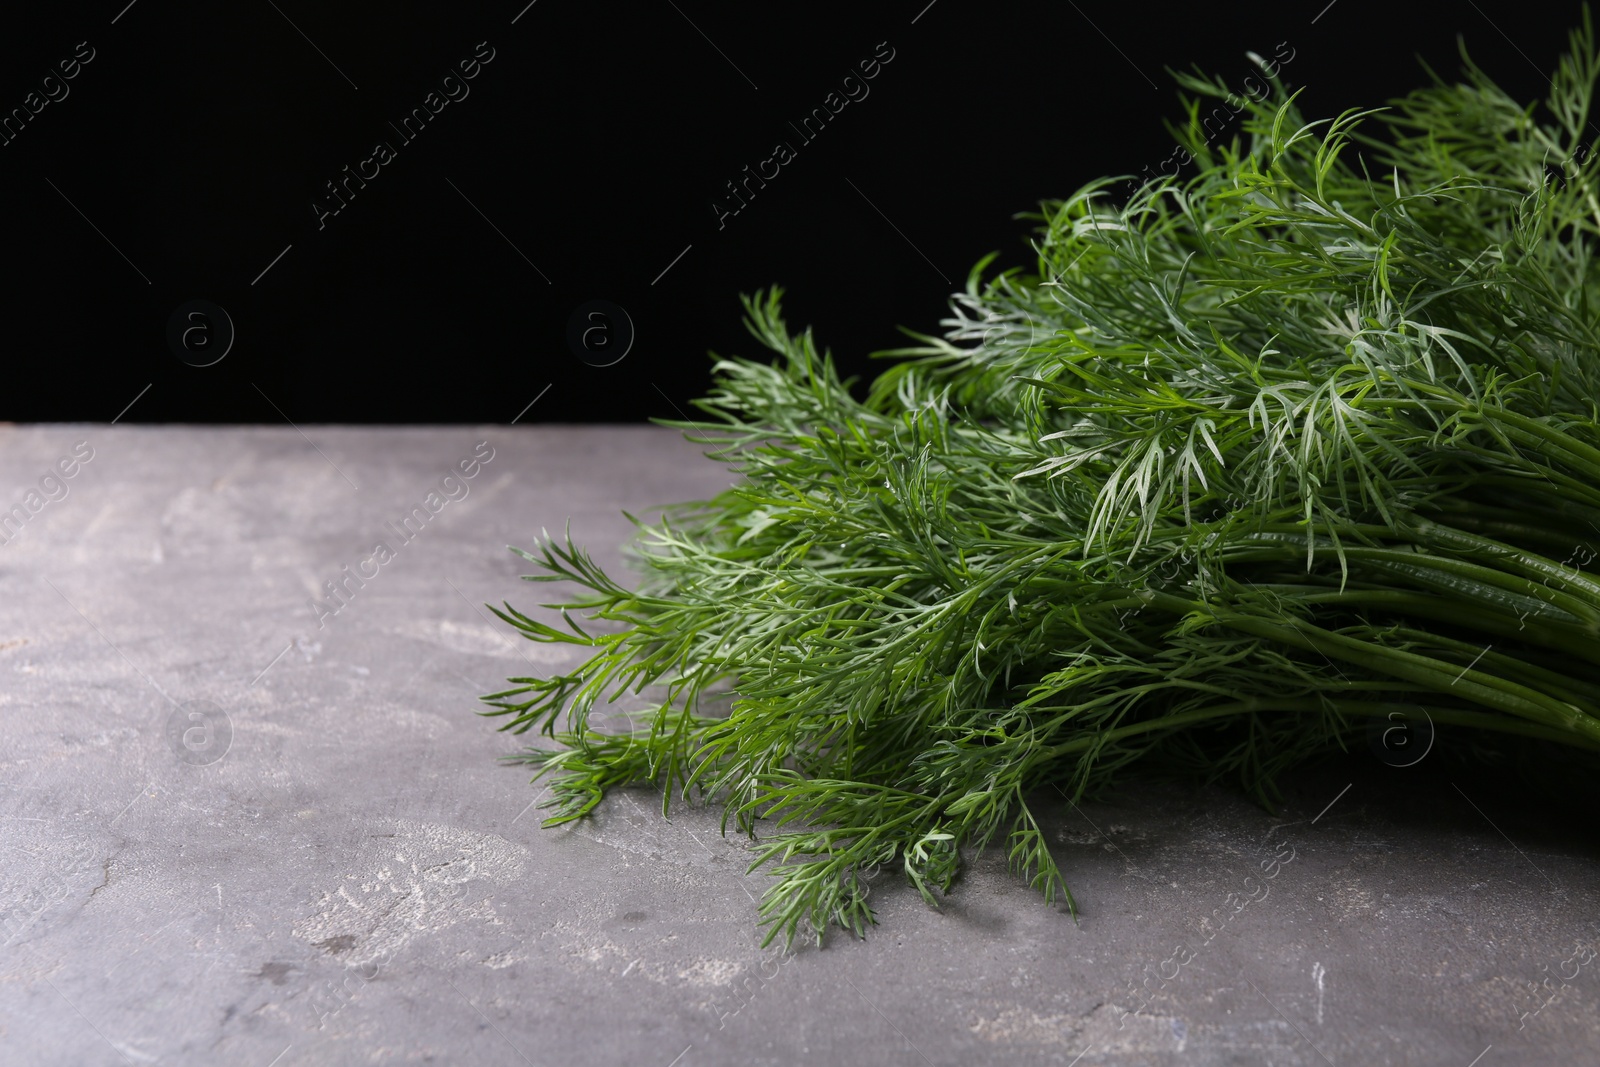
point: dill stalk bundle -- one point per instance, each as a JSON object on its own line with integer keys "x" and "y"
{"x": 1254, "y": 459}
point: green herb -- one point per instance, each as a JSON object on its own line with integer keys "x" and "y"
{"x": 1255, "y": 458}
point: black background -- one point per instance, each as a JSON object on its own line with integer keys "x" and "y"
{"x": 190, "y": 150}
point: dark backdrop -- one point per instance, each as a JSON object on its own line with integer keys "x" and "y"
{"x": 189, "y": 155}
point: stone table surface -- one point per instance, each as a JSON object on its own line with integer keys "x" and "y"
{"x": 241, "y": 829}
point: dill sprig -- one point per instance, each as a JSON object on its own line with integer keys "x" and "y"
{"x": 1252, "y": 459}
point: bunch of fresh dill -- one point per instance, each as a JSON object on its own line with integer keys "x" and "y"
{"x": 1255, "y": 458}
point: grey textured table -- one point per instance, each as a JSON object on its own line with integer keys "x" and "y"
{"x": 243, "y": 830}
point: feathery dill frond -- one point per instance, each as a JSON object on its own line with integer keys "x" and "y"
{"x": 1252, "y": 459}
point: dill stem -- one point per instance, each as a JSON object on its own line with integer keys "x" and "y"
{"x": 1514, "y": 532}
{"x": 1477, "y": 686}
{"x": 1566, "y": 589}
{"x": 1317, "y": 704}
{"x": 1575, "y": 641}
